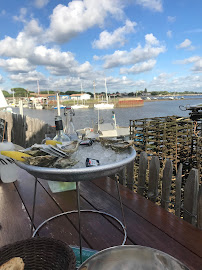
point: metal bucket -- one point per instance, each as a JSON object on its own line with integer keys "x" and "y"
{"x": 132, "y": 258}
{"x": 78, "y": 174}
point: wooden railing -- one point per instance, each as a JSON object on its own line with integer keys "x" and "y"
{"x": 24, "y": 130}
{"x": 186, "y": 197}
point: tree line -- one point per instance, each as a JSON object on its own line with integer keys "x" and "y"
{"x": 21, "y": 92}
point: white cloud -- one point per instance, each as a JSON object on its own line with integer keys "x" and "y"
{"x": 196, "y": 60}
{"x": 186, "y": 44}
{"x": 2, "y": 12}
{"x": 137, "y": 55}
{"x": 40, "y": 3}
{"x": 139, "y": 68}
{"x": 169, "y": 82}
{"x": 15, "y": 65}
{"x": 107, "y": 40}
{"x": 171, "y": 19}
{"x": 32, "y": 29}
{"x": 155, "y": 5}
{"x": 21, "y": 17}
{"x": 20, "y": 47}
{"x": 78, "y": 16}
{"x": 169, "y": 34}
{"x": 28, "y": 78}
{"x": 198, "y": 66}
{"x": 151, "y": 39}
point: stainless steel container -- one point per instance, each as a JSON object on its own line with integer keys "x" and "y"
{"x": 78, "y": 174}
{"x": 132, "y": 258}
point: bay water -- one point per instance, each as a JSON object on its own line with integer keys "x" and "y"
{"x": 88, "y": 117}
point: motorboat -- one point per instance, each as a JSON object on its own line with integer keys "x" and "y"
{"x": 104, "y": 130}
{"x": 104, "y": 105}
{"x": 79, "y": 106}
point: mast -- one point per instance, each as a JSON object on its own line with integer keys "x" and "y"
{"x": 106, "y": 90}
{"x": 38, "y": 87}
{"x": 94, "y": 89}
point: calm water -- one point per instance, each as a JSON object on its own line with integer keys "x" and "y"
{"x": 88, "y": 117}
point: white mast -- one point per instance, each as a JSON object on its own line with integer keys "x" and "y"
{"x": 38, "y": 87}
{"x": 106, "y": 90}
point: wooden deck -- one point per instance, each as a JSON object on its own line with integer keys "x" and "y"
{"x": 147, "y": 224}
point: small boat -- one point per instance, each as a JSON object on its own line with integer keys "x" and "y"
{"x": 106, "y": 105}
{"x": 38, "y": 106}
{"x": 104, "y": 130}
{"x": 79, "y": 106}
{"x": 103, "y": 106}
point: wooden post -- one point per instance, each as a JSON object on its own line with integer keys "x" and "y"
{"x": 166, "y": 184}
{"x": 130, "y": 175}
{"x": 199, "y": 212}
{"x": 191, "y": 197}
{"x": 143, "y": 165}
{"x": 178, "y": 185}
{"x": 154, "y": 168}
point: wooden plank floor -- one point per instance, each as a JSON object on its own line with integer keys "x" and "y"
{"x": 147, "y": 224}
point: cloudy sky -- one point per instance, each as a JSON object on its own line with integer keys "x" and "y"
{"x": 134, "y": 44}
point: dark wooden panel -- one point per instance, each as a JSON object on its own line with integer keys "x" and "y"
{"x": 14, "y": 220}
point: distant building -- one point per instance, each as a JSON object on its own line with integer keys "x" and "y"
{"x": 80, "y": 96}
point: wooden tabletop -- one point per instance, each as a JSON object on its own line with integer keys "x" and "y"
{"x": 147, "y": 224}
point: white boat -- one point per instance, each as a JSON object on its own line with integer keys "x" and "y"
{"x": 3, "y": 103}
{"x": 104, "y": 130}
{"x": 38, "y": 106}
{"x": 104, "y": 105}
{"x": 79, "y": 106}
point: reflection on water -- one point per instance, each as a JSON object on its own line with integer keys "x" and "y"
{"x": 88, "y": 117}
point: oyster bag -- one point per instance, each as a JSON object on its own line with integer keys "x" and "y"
{"x": 61, "y": 186}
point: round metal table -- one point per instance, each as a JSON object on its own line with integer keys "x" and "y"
{"x": 77, "y": 175}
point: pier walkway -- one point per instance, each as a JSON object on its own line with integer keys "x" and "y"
{"x": 147, "y": 224}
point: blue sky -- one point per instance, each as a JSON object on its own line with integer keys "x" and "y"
{"x": 134, "y": 44}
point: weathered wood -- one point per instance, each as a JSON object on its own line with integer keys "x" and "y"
{"x": 199, "y": 211}
{"x": 14, "y": 220}
{"x": 178, "y": 184}
{"x": 154, "y": 168}
{"x": 190, "y": 197}
{"x": 130, "y": 175}
{"x": 143, "y": 165}
{"x": 166, "y": 184}
{"x": 25, "y": 131}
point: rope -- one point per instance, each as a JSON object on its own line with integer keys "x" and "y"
{"x": 195, "y": 129}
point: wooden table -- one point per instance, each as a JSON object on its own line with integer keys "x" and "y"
{"x": 147, "y": 224}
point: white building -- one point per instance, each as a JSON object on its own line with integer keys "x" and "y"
{"x": 80, "y": 96}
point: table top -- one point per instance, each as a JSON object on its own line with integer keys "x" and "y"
{"x": 147, "y": 223}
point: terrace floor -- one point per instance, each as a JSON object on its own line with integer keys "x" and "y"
{"x": 147, "y": 224}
